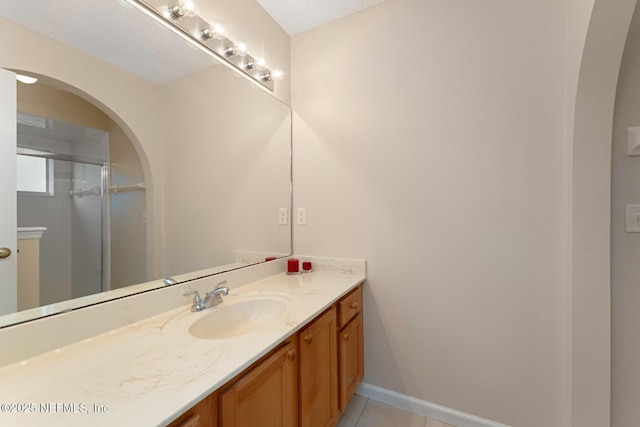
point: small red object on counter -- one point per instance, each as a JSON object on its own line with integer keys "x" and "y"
{"x": 270, "y": 258}
{"x": 293, "y": 265}
{"x": 306, "y": 266}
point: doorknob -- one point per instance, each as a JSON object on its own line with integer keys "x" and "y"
{"x": 5, "y": 252}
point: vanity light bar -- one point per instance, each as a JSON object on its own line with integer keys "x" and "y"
{"x": 208, "y": 37}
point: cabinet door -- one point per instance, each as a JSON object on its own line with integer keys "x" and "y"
{"x": 351, "y": 359}
{"x": 267, "y": 396}
{"x": 319, "y": 372}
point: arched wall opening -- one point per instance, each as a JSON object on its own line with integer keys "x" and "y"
{"x": 590, "y": 215}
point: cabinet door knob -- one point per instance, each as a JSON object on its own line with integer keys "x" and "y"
{"x": 307, "y": 338}
{"x": 291, "y": 354}
{"x": 354, "y": 305}
{"x": 345, "y": 337}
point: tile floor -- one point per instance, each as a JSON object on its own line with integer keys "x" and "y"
{"x": 363, "y": 412}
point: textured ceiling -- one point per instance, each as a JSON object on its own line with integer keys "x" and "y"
{"x": 104, "y": 29}
{"x": 296, "y": 16}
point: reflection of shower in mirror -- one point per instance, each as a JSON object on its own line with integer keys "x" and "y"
{"x": 80, "y": 193}
{"x": 72, "y": 201}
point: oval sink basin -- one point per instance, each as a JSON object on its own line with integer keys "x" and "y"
{"x": 226, "y": 321}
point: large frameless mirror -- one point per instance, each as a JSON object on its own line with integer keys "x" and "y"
{"x": 138, "y": 158}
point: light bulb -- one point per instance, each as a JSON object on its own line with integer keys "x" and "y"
{"x": 183, "y": 8}
{"x": 277, "y": 74}
{"x": 213, "y": 31}
{"x": 261, "y": 63}
{"x": 190, "y": 7}
{"x": 240, "y": 48}
{"x": 28, "y": 80}
{"x": 219, "y": 30}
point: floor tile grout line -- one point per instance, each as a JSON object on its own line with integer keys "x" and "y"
{"x": 361, "y": 412}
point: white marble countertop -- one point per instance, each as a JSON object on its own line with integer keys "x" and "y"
{"x": 150, "y": 372}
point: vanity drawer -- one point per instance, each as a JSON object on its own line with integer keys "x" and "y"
{"x": 349, "y": 307}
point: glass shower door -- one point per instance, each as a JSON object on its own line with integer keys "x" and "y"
{"x": 72, "y": 210}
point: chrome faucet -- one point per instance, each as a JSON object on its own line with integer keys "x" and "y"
{"x": 211, "y": 299}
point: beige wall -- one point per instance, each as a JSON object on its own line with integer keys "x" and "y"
{"x": 594, "y": 34}
{"x": 625, "y": 247}
{"x": 128, "y": 213}
{"x": 430, "y": 140}
{"x": 57, "y": 104}
{"x": 228, "y": 171}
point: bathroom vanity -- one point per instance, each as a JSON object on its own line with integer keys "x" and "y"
{"x": 282, "y": 351}
{"x": 307, "y": 380}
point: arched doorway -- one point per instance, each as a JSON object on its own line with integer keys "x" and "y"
{"x": 590, "y": 195}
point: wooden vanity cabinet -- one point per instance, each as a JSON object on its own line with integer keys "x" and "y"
{"x": 350, "y": 345}
{"x": 267, "y": 395}
{"x": 204, "y": 414}
{"x": 319, "y": 372}
{"x": 307, "y": 381}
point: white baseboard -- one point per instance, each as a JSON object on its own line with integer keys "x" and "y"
{"x": 424, "y": 408}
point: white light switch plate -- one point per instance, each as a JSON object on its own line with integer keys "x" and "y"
{"x": 633, "y": 218}
{"x": 283, "y": 216}
{"x": 301, "y": 216}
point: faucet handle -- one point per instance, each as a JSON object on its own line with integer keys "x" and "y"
{"x": 220, "y": 290}
{"x": 198, "y": 304}
{"x": 196, "y": 298}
